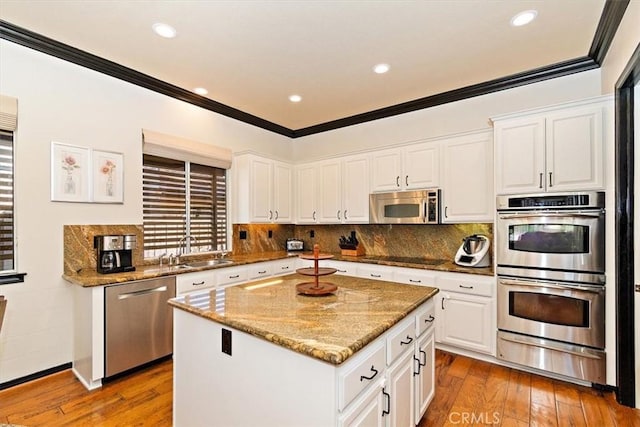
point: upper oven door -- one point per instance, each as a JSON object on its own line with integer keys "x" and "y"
{"x": 558, "y": 240}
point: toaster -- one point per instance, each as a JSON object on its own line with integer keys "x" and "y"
{"x": 294, "y": 245}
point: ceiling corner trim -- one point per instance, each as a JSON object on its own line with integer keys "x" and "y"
{"x": 29, "y": 39}
{"x": 607, "y": 26}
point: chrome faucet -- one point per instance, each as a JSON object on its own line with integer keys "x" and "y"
{"x": 160, "y": 258}
{"x": 182, "y": 243}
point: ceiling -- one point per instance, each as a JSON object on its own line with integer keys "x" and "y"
{"x": 252, "y": 55}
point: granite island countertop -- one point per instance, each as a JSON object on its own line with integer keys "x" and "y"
{"x": 331, "y": 328}
{"x": 89, "y": 278}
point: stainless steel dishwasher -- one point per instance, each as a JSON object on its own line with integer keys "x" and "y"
{"x": 138, "y": 323}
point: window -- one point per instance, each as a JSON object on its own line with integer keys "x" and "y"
{"x": 7, "y": 225}
{"x": 183, "y": 199}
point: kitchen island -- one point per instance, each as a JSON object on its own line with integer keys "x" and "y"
{"x": 260, "y": 354}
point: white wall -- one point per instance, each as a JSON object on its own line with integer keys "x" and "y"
{"x": 59, "y": 101}
{"x": 626, "y": 40}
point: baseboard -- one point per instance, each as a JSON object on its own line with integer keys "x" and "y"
{"x": 35, "y": 376}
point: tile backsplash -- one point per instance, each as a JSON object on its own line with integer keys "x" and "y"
{"x": 428, "y": 241}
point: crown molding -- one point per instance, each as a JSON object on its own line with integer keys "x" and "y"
{"x": 612, "y": 14}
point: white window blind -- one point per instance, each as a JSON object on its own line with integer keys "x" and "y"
{"x": 8, "y": 113}
{"x": 183, "y": 199}
{"x": 7, "y": 226}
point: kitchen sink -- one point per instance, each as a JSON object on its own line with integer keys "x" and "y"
{"x": 208, "y": 263}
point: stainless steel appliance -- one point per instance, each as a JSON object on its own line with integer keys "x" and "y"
{"x": 138, "y": 323}
{"x": 114, "y": 254}
{"x": 474, "y": 251}
{"x": 405, "y": 207}
{"x": 293, "y": 245}
{"x": 551, "y": 276}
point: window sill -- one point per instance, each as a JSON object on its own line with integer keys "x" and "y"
{"x": 7, "y": 279}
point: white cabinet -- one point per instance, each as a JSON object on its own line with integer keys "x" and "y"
{"x": 306, "y": 193}
{"x": 231, "y": 275}
{"x": 259, "y": 270}
{"x": 263, "y": 190}
{"x": 376, "y": 272}
{"x": 466, "y": 312}
{"x": 424, "y": 378}
{"x": 467, "y": 187}
{"x": 365, "y": 411}
{"x": 343, "y": 190}
{"x": 400, "y": 392}
{"x": 559, "y": 149}
{"x": 195, "y": 281}
{"x": 414, "y": 276}
{"x": 284, "y": 266}
{"x": 405, "y": 168}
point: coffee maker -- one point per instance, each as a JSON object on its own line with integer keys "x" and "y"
{"x": 114, "y": 253}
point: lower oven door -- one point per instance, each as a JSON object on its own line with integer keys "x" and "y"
{"x": 549, "y": 310}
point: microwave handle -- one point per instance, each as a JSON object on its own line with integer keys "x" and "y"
{"x": 595, "y": 290}
{"x": 553, "y": 215}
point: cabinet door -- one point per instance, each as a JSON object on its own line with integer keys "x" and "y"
{"x": 261, "y": 190}
{"x": 468, "y": 179}
{"x": 520, "y": 156}
{"x": 355, "y": 186}
{"x": 465, "y": 321}
{"x": 282, "y": 188}
{"x": 575, "y": 150}
{"x": 399, "y": 387}
{"x": 386, "y": 168}
{"x": 307, "y": 193}
{"x": 330, "y": 201}
{"x": 425, "y": 379}
{"x": 421, "y": 164}
{"x": 366, "y": 411}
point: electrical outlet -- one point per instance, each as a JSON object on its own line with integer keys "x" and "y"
{"x": 270, "y": 234}
{"x": 243, "y": 235}
{"x": 312, "y": 234}
{"x": 226, "y": 341}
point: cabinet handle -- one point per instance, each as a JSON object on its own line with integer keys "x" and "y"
{"x": 465, "y": 287}
{"x": 550, "y": 179}
{"x": 425, "y": 358}
{"x": 409, "y": 341}
{"x": 430, "y": 319}
{"x": 262, "y": 272}
{"x": 406, "y": 180}
{"x": 388, "y": 397}
{"x": 416, "y": 373}
{"x": 398, "y": 181}
{"x": 442, "y": 303}
{"x": 234, "y": 277}
{"x": 375, "y": 372}
{"x": 286, "y": 267}
{"x": 338, "y": 214}
{"x": 540, "y": 179}
{"x": 345, "y": 214}
{"x": 197, "y": 284}
{"x": 377, "y": 276}
{"x": 276, "y": 215}
{"x": 342, "y": 271}
{"x": 415, "y": 281}
{"x": 270, "y": 215}
{"x": 314, "y": 215}
{"x": 445, "y": 211}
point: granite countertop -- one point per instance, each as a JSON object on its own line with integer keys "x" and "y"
{"x": 90, "y": 278}
{"x": 331, "y": 328}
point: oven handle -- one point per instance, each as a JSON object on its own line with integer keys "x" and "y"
{"x": 549, "y": 347}
{"x": 594, "y": 290}
{"x": 553, "y": 215}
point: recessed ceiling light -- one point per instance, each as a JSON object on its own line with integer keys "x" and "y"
{"x": 164, "y": 30}
{"x": 295, "y": 98}
{"x": 381, "y": 68}
{"x": 201, "y": 91}
{"x": 523, "y": 18}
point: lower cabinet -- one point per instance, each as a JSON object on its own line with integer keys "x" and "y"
{"x": 399, "y": 392}
{"x": 424, "y": 377}
{"x": 366, "y": 411}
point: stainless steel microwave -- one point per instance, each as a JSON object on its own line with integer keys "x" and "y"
{"x": 405, "y": 207}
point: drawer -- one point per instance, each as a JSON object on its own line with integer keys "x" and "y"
{"x": 413, "y": 276}
{"x": 375, "y": 272}
{"x": 425, "y": 317}
{"x": 401, "y": 338}
{"x": 227, "y": 276}
{"x": 259, "y": 270}
{"x": 360, "y": 373}
{"x": 344, "y": 268}
{"x": 190, "y": 282}
{"x": 284, "y": 266}
{"x": 467, "y": 284}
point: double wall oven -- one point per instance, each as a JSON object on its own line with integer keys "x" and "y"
{"x": 551, "y": 282}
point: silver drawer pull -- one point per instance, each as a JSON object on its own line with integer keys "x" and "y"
{"x": 142, "y": 292}
{"x": 197, "y": 284}
{"x": 409, "y": 341}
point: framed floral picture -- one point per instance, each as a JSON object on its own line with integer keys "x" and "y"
{"x": 107, "y": 176}
{"x": 70, "y": 178}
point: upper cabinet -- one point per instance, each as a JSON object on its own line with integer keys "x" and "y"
{"x": 554, "y": 150}
{"x": 404, "y": 168}
{"x": 467, "y": 178}
{"x": 263, "y": 190}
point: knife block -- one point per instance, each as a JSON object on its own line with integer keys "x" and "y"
{"x": 358, "y": 251}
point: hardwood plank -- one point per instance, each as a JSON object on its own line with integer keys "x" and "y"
{"x": 460, "y": 367}
{"x": 567, "y": 393}
{"x": 542, "y": 392}
{"x": 596, "y": 410}
{"x": 623, "y": 416}
{"x": 543, "y": 415}
{"x": 517, "y": 402}
{"x": 513, "y": 422}
{"x": 494, "y": 393}
{"x": 570, "y": 415}
{"x": 480, "y": 369}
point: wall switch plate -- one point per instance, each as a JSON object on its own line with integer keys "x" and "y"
{"x": 312, "y": 234}
{"x": 243, "y": 235}
{"x": 226, "y": 341}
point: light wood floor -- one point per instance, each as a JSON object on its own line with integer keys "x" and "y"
{"x": 468, "y": 392}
